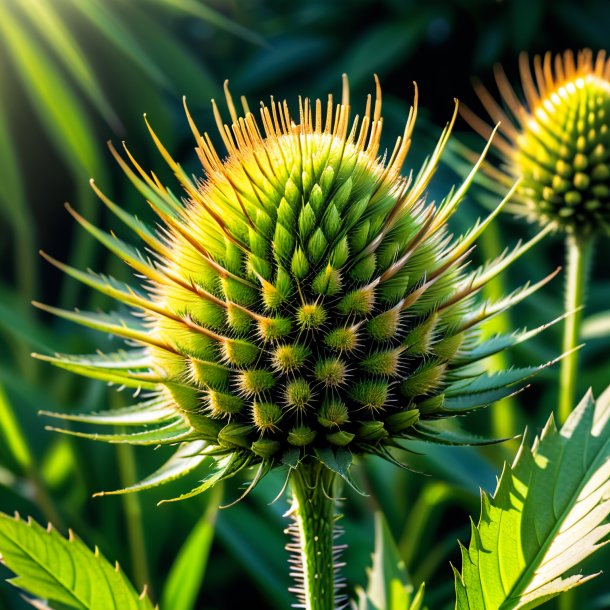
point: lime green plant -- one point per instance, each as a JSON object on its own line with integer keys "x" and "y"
{"x": 558, "y": 143}
{"x": 301, "y": 304}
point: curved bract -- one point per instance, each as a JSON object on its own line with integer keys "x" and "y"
{"x": 557, "y": 140}
{"x": 302, "y": 300}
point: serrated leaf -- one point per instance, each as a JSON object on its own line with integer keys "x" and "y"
{"x": 153, "y": 411}
{"x": 224, "y": 468}
{"x": 188, "y": 457}
{"x": 468, "y": 394}
{"x": 445, "y": 432}
{"x": 389, "y": 585}
{"x": 129, "y": 378}
{"x": 499, "y": 343}
{"x": 547, "y": 515}
{"x": 340, "y": 462}
{"x": 168, "y": 434}
{"x": 64, "y": 571}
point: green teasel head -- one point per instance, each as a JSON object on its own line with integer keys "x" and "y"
{"x": 301, "y": 299}
{"x": 556, "y": 140}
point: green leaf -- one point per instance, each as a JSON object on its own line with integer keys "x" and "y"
{"x": 340, "y": 462}
{"x": 213, "y": 17}
{"x": 54, "y": 101}
{"x": 447, "y": 432}
{"x": 11, "y": 435}
{"x": 188, "y": 570}
{"x": 224, "y": 468}
{"x": 501, "y": 342}
{"x": 389, "y": 586}
{"x": 153, "y": 411}
{"x": 546, "y": 516}
{"x": 112, "y": 26}
{"x": 168, "y": 434}
{"x": 44, "y": 16}
{"x": 64, "y": 571}
{"x": 188, "y": 457}
{"x": 596, "y": 326}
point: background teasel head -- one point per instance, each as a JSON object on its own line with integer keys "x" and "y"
{"x": 302, "y": 301}
{"x": 557, "y": 140}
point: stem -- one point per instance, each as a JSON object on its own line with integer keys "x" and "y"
{"x": 578, "y": 257}
{"x": 313, "y": 531}
{"x": 504, "y": 415}
{"x": 133, "y": 516}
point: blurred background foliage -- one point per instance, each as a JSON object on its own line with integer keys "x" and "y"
{"x": 74, "y": 74}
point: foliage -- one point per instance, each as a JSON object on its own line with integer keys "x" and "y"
{"x": 547, "y": 515}
{"x": 64, "y": 571}
{"x": 389, "y": 586}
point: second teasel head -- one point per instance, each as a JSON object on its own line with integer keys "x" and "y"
{"x": 554, "y": 135}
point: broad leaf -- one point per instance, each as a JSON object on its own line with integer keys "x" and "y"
{"x": 548, "y": 514}
{"x": 64, "y": 571}
{"x": 389, "y": 586}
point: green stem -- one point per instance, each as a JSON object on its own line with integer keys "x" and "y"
{"x": 504, "y": 415}
{"x": 313, "y": 531}
{"x": 578, "y": 257}
{"x": 133, "y": 515}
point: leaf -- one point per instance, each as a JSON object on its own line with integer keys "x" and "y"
{"x": 64, "y": 571}
{"x": 224, "y": 468}
{"x": 44, "y": 17}
{"x": 501, "y": 342}
{"x": 54, "y": 101}
{"x": 167, "y": 434}
{"x": 112, "y": 26}
{"x": 188, "y": 457}
{"x": 213, "y": 17}
{"x": 446, "y": 432}
{"x": 11, "y": 435}
{"x": 546, "y": 516}
{"x": 596, "y": 326}
{"x": 467, "y": 394}
{"x": 153, "y": 411}
{"x": 188, "y": 570}
{"x": 339, "y": 461}
{"x": 389, "y": 586}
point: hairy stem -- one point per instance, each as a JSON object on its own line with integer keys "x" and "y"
{"x": 313, "y": 531}
{"x": 578, "y": 258}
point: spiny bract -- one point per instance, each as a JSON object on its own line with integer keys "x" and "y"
{"x": 558, "y": 141}
{"x": 302, "y": 302}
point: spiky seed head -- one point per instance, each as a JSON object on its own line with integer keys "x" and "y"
{"x": 557, "y": 141}
{"x": 301, "y": 298}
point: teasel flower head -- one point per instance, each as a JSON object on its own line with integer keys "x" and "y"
{"x": 301, "y": 302}
{"x": 556, "y": 139}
